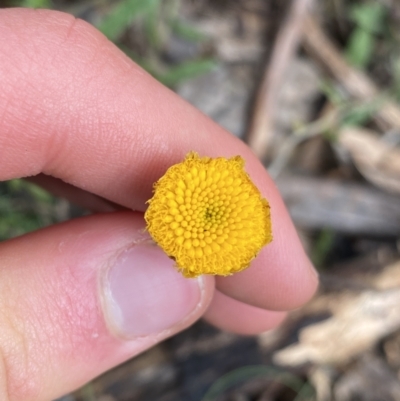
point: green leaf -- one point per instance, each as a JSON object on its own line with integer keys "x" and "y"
{"x": 152, "y": 23}
{"x": 239, "y": 376}
{"x": 174, "y": 75}
{"x": 14, "y": 219}
{"x": 368, "y": 19}
{"x": 35, "y": 3}
{"x": 322, "y": 247}
{"x": 186, "y": 70}
{"x": 187, "y": 32}
{"x": 360, "y": 48}
{"x": 122, "y": 15}
{"x": 331, "y": 92}
{"x": 14, "y": 185}
{"x": 39, "y": 194}
{"x": 361, "y": 114}
{"x": 369, "y": 16}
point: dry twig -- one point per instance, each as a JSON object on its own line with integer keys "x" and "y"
{"x": 261, "y": 130}
{"x": 359, "y": 321}
{"x": 355, "y": 82}
{"x": 354, "y": 209}
{"x": 300, "y": 135}
{"x": 378, "y": 162}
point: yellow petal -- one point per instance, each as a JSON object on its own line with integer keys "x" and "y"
{"x": 208, "y": 216}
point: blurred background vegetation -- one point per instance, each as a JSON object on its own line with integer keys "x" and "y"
{"x": 316, "y": 97}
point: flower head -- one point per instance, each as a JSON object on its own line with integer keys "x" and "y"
{"x": 208, "y": 216}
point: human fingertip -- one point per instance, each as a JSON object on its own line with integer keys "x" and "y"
{"x": 144, "y": 295}
{"x": 240, "y": 318}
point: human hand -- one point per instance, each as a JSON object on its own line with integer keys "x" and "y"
{"x": 78, "y": 298}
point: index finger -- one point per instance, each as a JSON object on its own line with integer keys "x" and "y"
{"x": 73, "y": 106}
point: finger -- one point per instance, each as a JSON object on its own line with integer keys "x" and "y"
{"x": 75, "y": 107}
{"x": 281, "y": 277}
{"x": 238, "y": 317}
{"x": 81, "y": 297}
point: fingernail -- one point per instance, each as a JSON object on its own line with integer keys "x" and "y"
{"x": 143, "y": 294}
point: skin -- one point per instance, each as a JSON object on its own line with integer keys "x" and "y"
{"x": 81, "y": 119}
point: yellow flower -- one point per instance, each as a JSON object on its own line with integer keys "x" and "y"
{"x": 208, "y": 216}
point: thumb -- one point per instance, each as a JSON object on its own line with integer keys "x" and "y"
{"x": 79, "y": 298}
